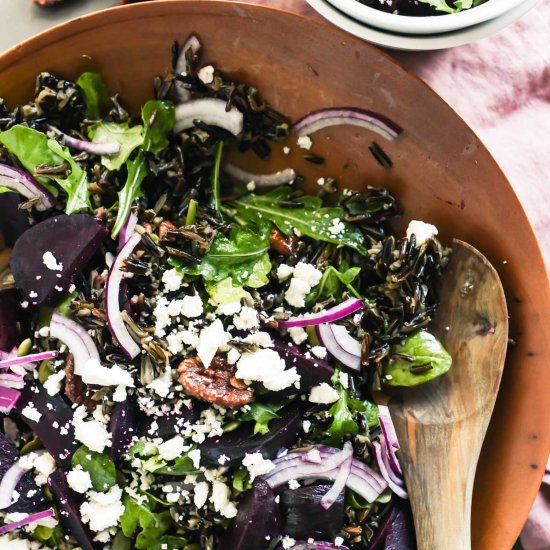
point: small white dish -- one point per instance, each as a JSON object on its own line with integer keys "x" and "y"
{"x": 418, "y": 42}
{"x": 431, "y": 24}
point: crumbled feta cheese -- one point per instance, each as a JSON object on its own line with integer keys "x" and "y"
{"x": 44, "y": 332}
{"x": 296, "y": 292}
{"x": 79, "y": 481}
{"x": 293, "y": 484}
{"x": 267, "y": 367}
{"x": 308, "y": 273}
{"x": 31, "y": 413}
{"x": 337, "y": 227}
{"x": 53, "y": 382}
{"x": 210, "y": 340}
{"x": 284, "y": 271}
{"x": 298, "y": 334}
{"x": 246, "y": 319}
{"x": 220, "y": 500}
{"x": 120, "y": 394}
{"x": 206, "y": 74}
{"x": 319, "y": 351}
{"x": 260, "y": 338}
{"x": 223, "y": 459}
{"x": 102, "y": 510}
{"x": 161, "y": 385}
{"x": 306, "y": 426}
{"x": 422, "y": 231}
{"x": 257, "y": 465}
{"x": 12, "y": 542}
{"x": 93, "y": 372}
{"x": 172, "y": 280}
{"x": 250, "y": 186}
{"x": 50, "y": 262}
{"x": 313, "y": 455}
{"x": 201, "y": 494}
{"x": 195, "y": 456}
{"x": 305, "y": 142}
{"x": 92, "y": 433}
{"x": 33, "y": 294}
{"x": 44, "y": 465}
{"x": 171, "y": 449}
{"x": 233, "y": 356}
{"x": 323, "y": 393}
{"x": 343, "y": 377}
{"x": 338, "y": 541}
{"x": 230, "y": 308}
{"x": 25, "y": 304}
{"x": 192, "y": 306}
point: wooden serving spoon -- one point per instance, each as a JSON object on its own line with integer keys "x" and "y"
{"x": 441, "y": 424}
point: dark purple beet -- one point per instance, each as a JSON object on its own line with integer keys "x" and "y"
{"x": 313, "y": 371}
{"x": 303, "y": 516}
{"x": 401, "y": 530}
{"x": 24, "y": 504}
{"x": 123, "y": 426}
{"x": 61, "y": 447}
{"x": 14, "y": 220}
{"x": 68, "y": 508}
{"x": 71, "y": 239}
{"x": 283, "y": 432}
{"x": 168, "y": 425}
{"x": 257, "y": 518}
{"x": 12, "y": 319}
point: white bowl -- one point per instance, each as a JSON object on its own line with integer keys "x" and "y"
{"x": 431, "y": 24}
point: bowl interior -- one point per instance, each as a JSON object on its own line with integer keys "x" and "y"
{"x": 441, "y": 174}
{"x": 432, "y": 24}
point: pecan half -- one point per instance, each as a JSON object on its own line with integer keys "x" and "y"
{"x": 283, "y": 244}
{"x": 215, "y": 384}
{"x": 74, "y": 387}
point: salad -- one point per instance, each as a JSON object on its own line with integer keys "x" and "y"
{"x": 423, "y": 7}
{"x": 191, "y": 350}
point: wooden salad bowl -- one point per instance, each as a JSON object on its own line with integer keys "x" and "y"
{"x": 441, "y": 174}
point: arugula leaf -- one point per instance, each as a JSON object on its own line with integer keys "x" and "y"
{"x": 138, "y": 170}
{"x": 95, "y": 93}
{"x": 169, "y": 541}
{"x": 313, "y": 219}
{"x": 425, "y": 351}
{"x": 75, "y": 184}
{"x": 183, "y": 465}
{"x": 142, "y": 517}
{"x": 52, "y": 536}
{"x": 127, "y": 137}
{"x": 241, "y": 480}
{"x": 343, "y": 422}
{"x": 331, "y": 282}
{"x": 225, "y": 291}
{"x": 100, "y": 467}
{"x": 158, "y": 120}
{"x": 31, "y": 149}
{"x": 368, "y": 409}
{"x": 121, "y": 542}
{"x": 441, "y": 5}
{"x": 262, "y": 413}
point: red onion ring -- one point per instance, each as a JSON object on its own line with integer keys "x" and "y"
{"x": 91, "y": 147}
{"x": 34, "y": 357}
{"x": 211, "y": 111}
{"x": 260, "y": 180}
{"x": 338, "y": 346}
{"x": 9, "y": 482}
{"x": 31, "y": 518}
{"x": 8, "y": 399}
{"x": 19, "y": 181}
{"x": 351, "y": 305}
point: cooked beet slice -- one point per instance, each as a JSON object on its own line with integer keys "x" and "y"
{"x": 30, "y": 498}
{"x": 257, "y": 521}
{"x": 54, "y": 427}
{"x": 283, "y": 432}
{"x": 13, "y": 327}
{"x": 303, "y": 516}
{"x": 168, "y": 425}
{"x": 68, "y": 508}
{"x": 313, "y": 371}
{"x": 72, "y": 240}
{"x": 123, "y": 426}
{"x": 14, "y": 221}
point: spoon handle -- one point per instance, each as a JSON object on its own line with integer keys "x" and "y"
{"x": 439, "y": 463}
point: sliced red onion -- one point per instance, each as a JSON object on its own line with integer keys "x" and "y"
{"x": 341, "y": 479}
{"x": 92, "y": 147}
{"x": 112, "y": 300}
{"x": 31, "y": 518}
{"x": 33, "y": 357}
{"x": 396, "y": 484}
{"x": 210, "y": 111}
{"x": 336, "y": 116}
{"x": 12, "y": 380}
{"x": 76, "y": 338}
{"x": 340, "y": 344}
{"x": 392, "y": 443}
{"x": 193, "y": 46}
{"x": 8, "y": 399}
{"x": 260, "y": 180}
{"x": 9, "y": 482}
{"x": 19, "y": 181}
{"x": 128, "y": 229}
{"x": 351, "y": 305}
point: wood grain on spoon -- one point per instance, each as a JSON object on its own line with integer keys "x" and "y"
{"x": 441, "y": 425}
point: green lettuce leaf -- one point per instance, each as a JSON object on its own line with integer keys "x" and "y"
{"x": 312, "y": 219}
{"x": 225, "y": 292}
{"x": 343, "y": 420}
{"x": 129, "y": 138}
{"x": 100, "y": 467}
{"x": 261, "y": 414}
{"x": 241, "y": 480}
{"x": 331, "y": 284}
{"x": 95, "y": 93}
{"x": 441, "y": 5}
{"x": 158, "y": 120}
{"x": 75, "y": 184}
{"x": 425, "y": 351}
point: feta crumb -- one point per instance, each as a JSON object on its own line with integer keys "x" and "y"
{"x": 304, "y": 142}
{"x": 306, "y": 426}
{"x": 230, "y": 308}
{"x": 233, "y": 356}
{"x": 44, "y": 332}
{"x": 31, "y": 413}
{"x": 296, "y": 292}
{"x": 337, "y": 227}
{"x": 308, "y": 273}
{"x": 171, "y": 449}
{"x": 33, "y": 294}
{"x": 206, "y": 74}
{"x": 93, "y": 372}
{"x": 211, "y": 338}
{"x": 92, "y": 433}
{"x": 172, "y": 280}
{"x": 102, "y": 510}
{"x": 286, "y": 150}
{"x": 284, "y": 271}
{"x": 79, "y": 481}
{"x": 250, "y": 186}
{"x": 195, "y": 456}
{"x": 161, "y": 385}
{"x": 53, "y": 382}
{"x": 298, "y": 334}
{"x": 293, "y": 484}
{"x": 319, "y": 351}
{"x": 323, "y": 393}
{"x": 50, "y": 262}
{"x": 25, "y": 304}
{"x": 201, "y": 494}
{"x": 44, "y": 465}
{"x": 120, "y": 394}
{"x": 192, "y": 306}
{"x": 220, "y": 500}
{"x": 260, "y": 338}
{"x": 313, "y": 455}
{"x": 338, "y": 541}
{"x": 422, "y": 231}
{"x": 343, "y": 378}
{"x": 257, "y": 465}
{"x": 223, "y": 459}
{"x": 246, "y": 319}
